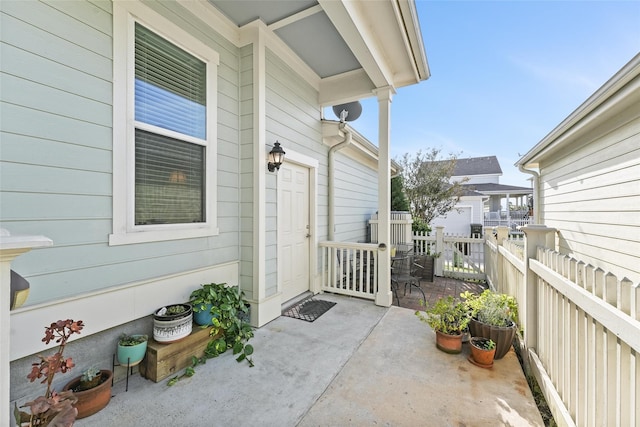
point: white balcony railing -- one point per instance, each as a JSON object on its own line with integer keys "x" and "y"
{"x": 511, "y": 219}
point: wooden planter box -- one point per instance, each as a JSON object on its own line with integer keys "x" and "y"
{"x": 164, "y": 360}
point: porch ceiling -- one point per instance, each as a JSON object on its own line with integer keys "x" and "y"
{"x": 352, "y": 47}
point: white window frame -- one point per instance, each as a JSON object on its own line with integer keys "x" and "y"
{"x": 125, "y": 231}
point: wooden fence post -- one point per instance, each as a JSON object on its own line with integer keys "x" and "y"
{"x": 534, "y": 236}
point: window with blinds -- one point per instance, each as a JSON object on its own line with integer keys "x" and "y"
{"x": 170, "y": 100}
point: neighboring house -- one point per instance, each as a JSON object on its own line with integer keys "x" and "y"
{"x": 587, "y": 177}
{"x": 485, "y": 201}
{"x": 469, "y": 210}
{"x": 135, "y": 136}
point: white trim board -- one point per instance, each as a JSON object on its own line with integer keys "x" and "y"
{"x": 112, "y": 307}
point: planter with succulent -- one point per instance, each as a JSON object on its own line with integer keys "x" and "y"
{"x": 172, "y": 323}
{"x": 483, "y": 351}
{"x": 493, "y": 316}
{"x": 449, "y": 318}
{"x": 131, "y": 349}
{"x": 52, "y": 408}
{"x": 92, "y": 389}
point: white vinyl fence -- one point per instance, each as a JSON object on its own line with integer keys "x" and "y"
{"x": 459, "y": 257}
{"x": 400, "y": 224}
{"x": 581, "y": 329}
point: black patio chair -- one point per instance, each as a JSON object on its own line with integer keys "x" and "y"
{"x": 405, "y": 271}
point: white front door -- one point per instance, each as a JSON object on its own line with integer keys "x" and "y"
{"x": 293, "y": 230}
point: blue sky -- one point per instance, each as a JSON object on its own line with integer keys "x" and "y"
{"x": 504, "y": 74}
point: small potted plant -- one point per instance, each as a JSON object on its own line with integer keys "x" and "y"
{"x": 52, "y": 408}
{"x": 494, "y": 316}
{"x": 172, "y": 323}
{"x": 449, "y": 318}
{"x": 131, "y": 349}
{"x": 483, "y": 351}
{"x": 206, "y": 302}
{"x": 92, "y": 389}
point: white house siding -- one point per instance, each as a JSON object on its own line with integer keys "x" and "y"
{"x": 591, "y": 194}
{"x": 356, "y": 198}
{"x": 293, "y": 119}
{"x": 454, "y": 222}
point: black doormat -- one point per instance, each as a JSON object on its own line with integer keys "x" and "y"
{"x": 308, "y": 309}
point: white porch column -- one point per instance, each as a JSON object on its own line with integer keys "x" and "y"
{"x": 10, "y": 248}
{"x": 384, "y": 297}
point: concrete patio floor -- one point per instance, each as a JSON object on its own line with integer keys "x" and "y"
{"x": 356, "y": 365}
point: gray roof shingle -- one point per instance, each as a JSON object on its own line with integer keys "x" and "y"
{"x": 487, "y": 165}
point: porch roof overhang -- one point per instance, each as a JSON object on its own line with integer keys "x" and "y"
{"x": 360, "y": 149}
{"x": 345, "y": 49}
{"x": 490, "y": 189}
{"x": 620, "y": 93}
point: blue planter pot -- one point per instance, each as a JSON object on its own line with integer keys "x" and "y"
{"x": 131, "y": 354}
{"x": 204, "y": 317}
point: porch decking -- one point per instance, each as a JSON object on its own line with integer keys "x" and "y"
{"x": 358, "y": 364}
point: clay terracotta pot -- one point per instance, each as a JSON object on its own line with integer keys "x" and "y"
{"x": 480, "y": 356}
{"x": 92, "y": 400}
{"x": 451, "y": 344}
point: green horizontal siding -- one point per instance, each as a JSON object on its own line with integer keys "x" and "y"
{"x": 56, "y": 171}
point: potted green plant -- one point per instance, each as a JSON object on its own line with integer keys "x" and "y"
{"x": 52, "y": 408}
{"x": 229, "y": 309}
{"x": 172, "y": 323}
{"x": 229, "y": 322}
{"x": 206, "y": 302}
{"x": 494, "y": 316}
{"x": 92, "y": 389}
{"x": 483, "y": 351}
{"x": 131, "y": 349}
{"x": 448, "y": 317}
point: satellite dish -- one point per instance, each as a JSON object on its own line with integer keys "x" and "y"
{"x": 348, "y": 112}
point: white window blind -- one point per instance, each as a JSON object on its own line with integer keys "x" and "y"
{"x": 170, "y": 86}
{"x": 170, "y": 93}
{"x": 169, "y": 180}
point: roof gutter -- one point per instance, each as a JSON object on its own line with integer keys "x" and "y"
{"x": 331, "y": 176}
{"x": 536, "y": 192}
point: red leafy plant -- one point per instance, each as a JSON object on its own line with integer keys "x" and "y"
{"x": 52, "y": 409}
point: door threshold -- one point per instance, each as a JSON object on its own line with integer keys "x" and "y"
{"x": 293, "y": 301}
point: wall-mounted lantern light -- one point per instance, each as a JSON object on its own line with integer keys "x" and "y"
{"x": 276, "y": 157}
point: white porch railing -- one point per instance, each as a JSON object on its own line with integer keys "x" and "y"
{"x": 581, "y": 329}
{"x": 350, "y": 268}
